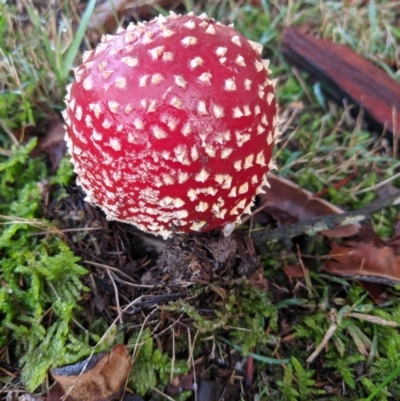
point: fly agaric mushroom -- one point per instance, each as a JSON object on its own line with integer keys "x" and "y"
{"x": 171, "y": 124}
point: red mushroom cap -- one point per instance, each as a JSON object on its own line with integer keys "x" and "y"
{"x": 171, "y": 124}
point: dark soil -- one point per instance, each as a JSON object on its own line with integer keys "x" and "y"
{"x": 131, "y": 273}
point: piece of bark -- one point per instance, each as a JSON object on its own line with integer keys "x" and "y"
{"x": 347, "y": 74}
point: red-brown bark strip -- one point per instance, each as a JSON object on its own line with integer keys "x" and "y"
{"x": 349, "y": 74}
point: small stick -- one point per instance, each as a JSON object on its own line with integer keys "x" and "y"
{"x": 116, "y": 295}
{"x": 317, "y": 224}
{"x": 325, "y": 340}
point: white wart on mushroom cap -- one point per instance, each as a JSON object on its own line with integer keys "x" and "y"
{"x": 171, "y": 124}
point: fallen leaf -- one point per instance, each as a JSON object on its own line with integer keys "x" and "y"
{"x": 365, "y": 261}
{"x": 372, "y": 262}
{"x": 258, "y": 280}
{"x": 289, "y": 203}
{"x": 101, "y": 377}
{"x": 53, "y": 143}
{"x": 294, "y": 271}
{"x": 29, "y": 397}
{"x": 179, "y": 384}
{"x": 103, "y": 19}
{"x": 386, "y": 190}
{"x": 56, "y": 393}
{"x": 375, "y": 291}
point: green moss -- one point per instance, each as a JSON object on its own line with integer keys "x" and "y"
{"x": 64, "y": 174}
{"x": 246, "y": 310}
{"x": 40, "y": 276}
{"x": 345, "y": 364}
{"x": 297, "y": 383}
{"x": 151, "y": 367}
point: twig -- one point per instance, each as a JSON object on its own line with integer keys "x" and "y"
{"x": 68, "y": 230}
{"x": 191, "y": 359}
{"x": 372, "y": 319}
{"x": 172, "y": 325}
{"x": 221, "y": 396}
{"x": 317, "y": 224}
{"x": 5, "y": 152}
{"x": 379, "y": 184}
{"x": 171, "y": 376}
{"x": 118, "y": 271}
{"x": 325, "y": 340}
{"x": 9, "y": 132}
{"x": 155, "y": 300}
{"x": 161, "y": 393}
{"x": 116, "y": 295}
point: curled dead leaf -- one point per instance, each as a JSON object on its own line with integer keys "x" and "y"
{"x": 101, "y": 377}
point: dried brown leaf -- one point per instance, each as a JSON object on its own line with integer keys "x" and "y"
{"x": 53, "y": 143}
{"x": 365, "y": 261}
{"x": 99, "y": 378}
{"x": 291, "y": 203}
{"x": 179, "y": 384}
{"x": 258, "y": 280}
{"x": 103, "y": 19}
{"x": 294, "y": 271}
{"x": 29, "y": 397}
{"x": 375, "y": 291}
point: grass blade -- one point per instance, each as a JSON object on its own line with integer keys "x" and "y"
{"x": 257, "y": 357}
{"x": 73, "y": 48}
{"x": 392, "y": 376}
{"x": 35, "y": 18}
